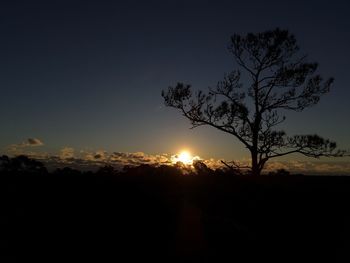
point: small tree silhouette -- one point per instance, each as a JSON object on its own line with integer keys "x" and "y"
{"x": 201, "y": 168}
{"x": 280, "y": 79}
{"x": 21, "y": 164}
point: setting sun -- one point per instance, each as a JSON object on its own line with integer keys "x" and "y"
{"x": 184, "y": 157}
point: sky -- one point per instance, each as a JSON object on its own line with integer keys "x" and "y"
{"x": 85, "y": 77}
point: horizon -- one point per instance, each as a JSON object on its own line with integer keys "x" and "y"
{"x": 92, "y": 161}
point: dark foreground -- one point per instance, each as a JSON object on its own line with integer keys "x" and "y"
{"x": 171, "y": 219}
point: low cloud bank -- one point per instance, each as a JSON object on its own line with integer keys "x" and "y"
{"x": 91, "y": 160}
{"x": 84, "y": 160}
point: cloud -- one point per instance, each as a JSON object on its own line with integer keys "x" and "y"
{"x": 311, "y": 167}
{"x": 91, "y": 160}
{"x": 66, "y": 153}
{"x": 20, "y": 148}
{"x": 138, "y": 158}
{"x": 30, "y": 142}
{"x": 98, "y": 156}
{"x": 315, "y": 167}
{"x": 33, "y": 142}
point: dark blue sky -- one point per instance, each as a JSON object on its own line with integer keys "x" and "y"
{"x": 89, "y": 74}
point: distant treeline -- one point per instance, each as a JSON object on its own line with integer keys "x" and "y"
{"x": 155, "y": 214}
{"x": 24, "y": 164}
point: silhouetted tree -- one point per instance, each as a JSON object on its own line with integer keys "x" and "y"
{"x": 201, "y": 168}
{"x": 167, "y": 170}
{"x": 67, "y": 171}
{"x": 106, "y": 170}
{"x": 21, "y": 163}
{"x": 280, "y": 79}
{"x": 4, "y": 163}
{"x": 279, "y": 172}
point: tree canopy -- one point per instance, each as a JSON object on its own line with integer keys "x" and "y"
{"x": 280, "y": 79}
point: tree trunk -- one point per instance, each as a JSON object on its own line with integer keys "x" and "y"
{"x": 255, "y": 166}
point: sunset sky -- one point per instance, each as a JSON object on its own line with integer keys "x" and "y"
{"x": 84, "y": 78}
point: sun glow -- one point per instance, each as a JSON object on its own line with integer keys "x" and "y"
{"x": 184, "y": 157}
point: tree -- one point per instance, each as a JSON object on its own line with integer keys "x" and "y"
{"x": 20, "y": 164}
{"x": 201, "y": 168}
{"x": 279, "y": 80}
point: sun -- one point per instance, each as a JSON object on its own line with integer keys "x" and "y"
{"x": 184, "y": 157}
